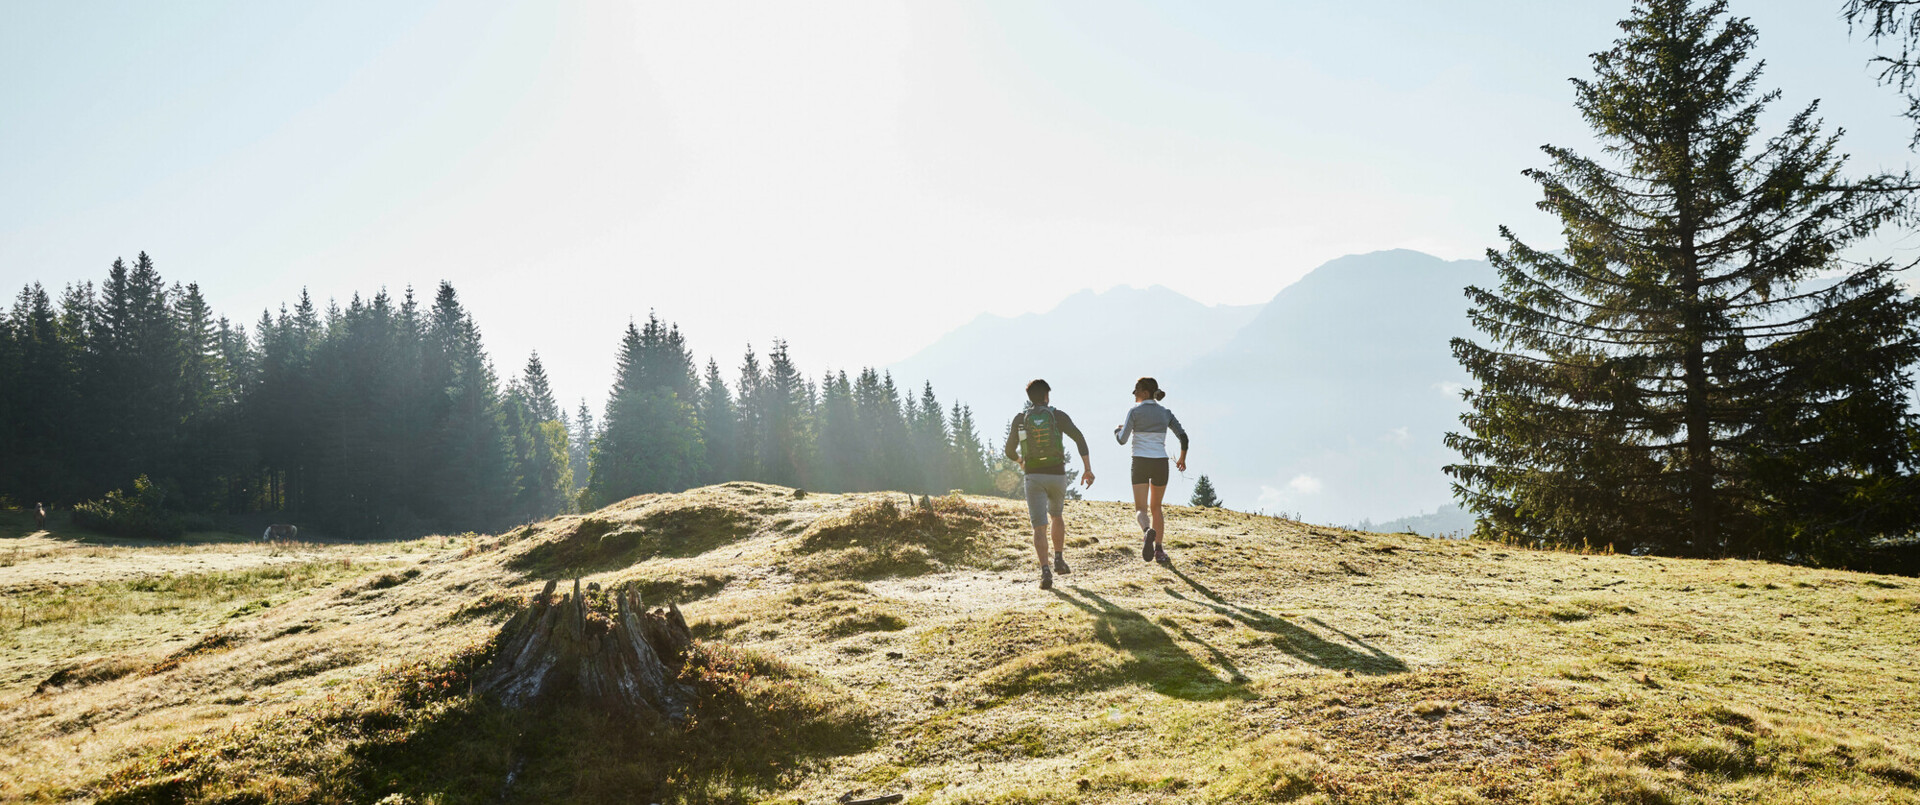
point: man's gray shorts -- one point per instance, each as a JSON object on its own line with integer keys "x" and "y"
{"x": 1046, "y": 494}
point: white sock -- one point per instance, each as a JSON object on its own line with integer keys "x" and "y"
{"x": 1146, "y": 521}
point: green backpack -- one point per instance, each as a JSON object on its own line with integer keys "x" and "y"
{"x": 1040, "y": 441}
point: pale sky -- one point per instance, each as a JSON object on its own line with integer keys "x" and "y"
{"x": 856, "y": 177}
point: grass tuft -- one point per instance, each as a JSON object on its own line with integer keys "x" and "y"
{"x": 1081, "y": 666}
{"x": 880, "y": 538}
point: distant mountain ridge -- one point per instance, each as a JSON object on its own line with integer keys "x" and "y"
{"x": 1330, "y": 400}
{"x": 1336, "y": 397}
{"x": 1090, "y": 347}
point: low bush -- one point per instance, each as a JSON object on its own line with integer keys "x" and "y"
{"x": 138, "y": 514}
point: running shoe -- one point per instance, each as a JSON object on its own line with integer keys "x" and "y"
{"x": 1146, "y": 549}
{"x": 1046, "y": 577}
{"x": 1060, "y": 565}
{"x": 1160, "y": 556}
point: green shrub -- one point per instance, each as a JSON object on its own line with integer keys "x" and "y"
{"x": 138, "y": 514}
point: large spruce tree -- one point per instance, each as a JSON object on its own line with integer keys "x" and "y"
{"x": 650, "y": 438}
{"x": 1703, "y": 369}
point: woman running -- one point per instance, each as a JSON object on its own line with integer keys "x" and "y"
{"x": 1148, "y": 424}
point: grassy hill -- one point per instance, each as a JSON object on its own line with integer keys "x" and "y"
{"x": 854, "y": 644}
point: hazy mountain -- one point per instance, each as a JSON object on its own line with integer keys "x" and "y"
{"x": 1090, "y": 348}
{"x": 1334, "y": 400}
{"x": 1447, "y": 521}
{"x": 1329, "y": 401}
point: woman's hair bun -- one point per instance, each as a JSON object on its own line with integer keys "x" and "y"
{"x": 1159, "y": 394}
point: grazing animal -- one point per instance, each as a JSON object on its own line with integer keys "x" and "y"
{"x": 40, "y": 517}
{"x": 280, "y": 533}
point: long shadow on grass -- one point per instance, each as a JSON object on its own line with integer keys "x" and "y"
{"x": 1350, "y": 653}
{"x": 1154, "y": 657}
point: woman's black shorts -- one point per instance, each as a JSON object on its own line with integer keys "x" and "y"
{"x": 1150, "y": 471}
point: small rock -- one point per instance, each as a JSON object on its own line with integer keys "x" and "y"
{"x": 895, "y": 655}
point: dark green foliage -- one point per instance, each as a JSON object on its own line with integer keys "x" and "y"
{"x": 580, "y": 447}
{"x": 1701, "y": 370}
{"x": 1899, "y": 21}
{"x": 719, "y": 427}
{"x": 139, "y": 514}
{"x": 385, "y": 418}
{"x": 650, "y": 438}
{"x": 1204, "y": 495}
{"x": 542, "y": 456}
{"x": 784, "y": 410}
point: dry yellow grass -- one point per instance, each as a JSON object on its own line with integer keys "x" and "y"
{"x": 1273, "y": 661}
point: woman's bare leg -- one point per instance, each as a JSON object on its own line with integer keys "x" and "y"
{"x": 1140, "y": 505}
{"x": 1159, "y": 516}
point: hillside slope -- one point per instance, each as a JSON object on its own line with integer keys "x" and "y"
{"x": 855, "y": 644}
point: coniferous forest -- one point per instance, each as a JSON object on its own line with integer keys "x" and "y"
{"x": 386, "y": 417}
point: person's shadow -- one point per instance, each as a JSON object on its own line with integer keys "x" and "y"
{"x": 1153, "y": 657}
{"x": 1347, "y": 653}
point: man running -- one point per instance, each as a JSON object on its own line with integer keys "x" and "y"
{"x": 1148, "y": 424}
{"x": 1033, "y": 440}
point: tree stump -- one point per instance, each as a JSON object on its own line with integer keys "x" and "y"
{"x": 625, "y": 661}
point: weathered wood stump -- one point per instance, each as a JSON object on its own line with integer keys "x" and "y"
{"x": 625, "y": 661}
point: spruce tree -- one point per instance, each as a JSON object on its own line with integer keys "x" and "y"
{"x": 42, "y": 428}
{"x": 650, "y": 438}
{"x": 874, "y": 416}
{"x": 580, "y": 446}
{"x": 930, "y": 443}
{"x": 471, "y": 483}
{"x": 538, "y": 392}
{"x": 1897, "y": 21}
{"x": 838, "y": 440}
{"x": 1203, "y": 494}
{"x": 204, "y": 404}
{"x": 719, "y": 427}
{"x": 543, "y": 475}
{"x": 751, "y": 445}
{"x": 1701, "y": 370}
{"x": 784, "y": 405}
{"x": 972, "y": 460}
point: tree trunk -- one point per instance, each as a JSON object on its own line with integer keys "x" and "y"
{"x": 624, "y": 661}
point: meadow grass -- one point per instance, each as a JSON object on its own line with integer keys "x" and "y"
{"x": 856, "y": 645}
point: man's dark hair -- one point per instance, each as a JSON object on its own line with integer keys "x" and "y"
{"x": 1037, "y": 391}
